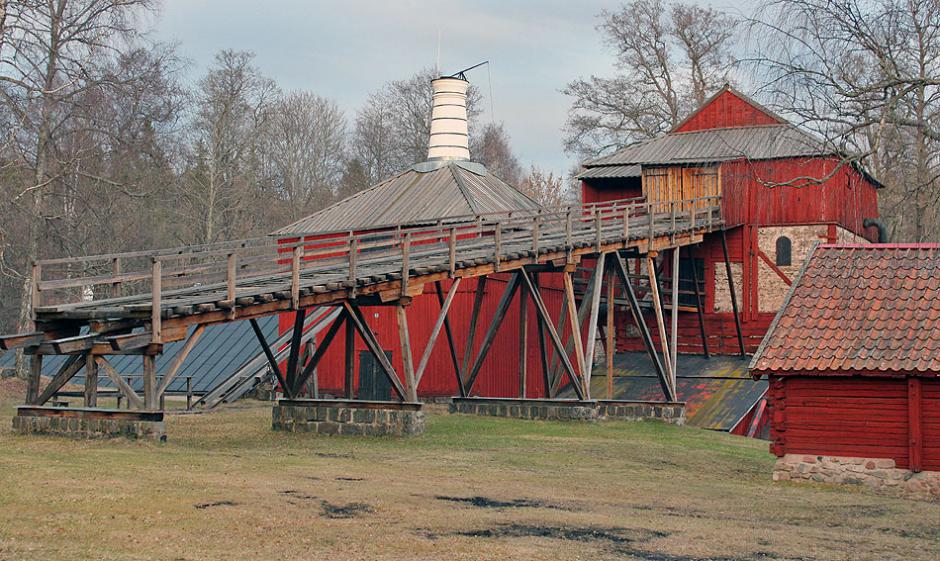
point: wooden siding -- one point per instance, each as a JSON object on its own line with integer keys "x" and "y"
{"x": 855, "y": 417}
{"x": 727, "y": 110}
{"x": 755, "y": 193}
{"x": 676, "y": 183}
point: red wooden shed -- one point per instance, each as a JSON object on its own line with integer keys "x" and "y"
{"x": 853, "y": 360}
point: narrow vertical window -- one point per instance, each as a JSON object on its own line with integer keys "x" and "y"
{"x": 784, "y": 251}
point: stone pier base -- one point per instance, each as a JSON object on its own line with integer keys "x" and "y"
{"x": 569, "y": 410}
{"x": 90, "y": 422}
{"x": 878, "y": 473}
{"x": 348, "y": 417}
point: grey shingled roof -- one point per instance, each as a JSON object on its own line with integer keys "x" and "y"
{"x": 221, "y": 350}
{"x": 763, "y": 142}
{"x": 446, "y": 190}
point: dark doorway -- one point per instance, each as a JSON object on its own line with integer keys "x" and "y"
{"x": 686, "y": 285}
{"x": 373, "y": 383}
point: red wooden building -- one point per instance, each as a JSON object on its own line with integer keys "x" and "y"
{"x": 766, "y": 172}
{"x": 853, "y": 360}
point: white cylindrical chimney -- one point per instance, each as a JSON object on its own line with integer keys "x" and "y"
{"x": 449, "y": 120}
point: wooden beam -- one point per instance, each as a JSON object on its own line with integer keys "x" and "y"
{"x": 773, "y": 266}
{"x": 621, "y": 271}
{"x": 272, "y": 362}
{"x": 32, "y": 383}
{"x": 698, "y": 304}
{"x": 583, "y": 310}
{"x": 524, "y": 338}
{"x": 407, "y": 358}
{"x": 593, "y": 318}
{"x": 349, "y": 363}
{"x": 451, "y": 344}
{"x": 474, "y": 317}
{"x": 734, "y": 298}
{"x": 74, "y": 344}
{"x": 436, "y": 330}
{"x": 129, "y": 341}
{"x": 915, "y": 417}
{"x": 151, "y": 399}
{"x": 132, "y": 398}
{"x": 575, "y": 326}
{"x": 10, "y": 342}
{"x": 498, "y": 316}
{"x": 179, "y": 360}
{"x": 674, "y": 317}
{"x": 556, "y": 340}
{"x": 660, "y": 320}
{"x": 321, "y": 349}
{"x": 354, "y": 314}
{"x": 609, "y": 344}
{"x": 66, "y": 372}
{"x": 91, "y": 381}
{"x": 291, "y": 374}
{"x": 543, "y": 347}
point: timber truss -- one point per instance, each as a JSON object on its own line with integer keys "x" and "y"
{"x": 89, "y": 308}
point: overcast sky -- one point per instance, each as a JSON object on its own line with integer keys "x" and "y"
{"x": 346, "y": 49}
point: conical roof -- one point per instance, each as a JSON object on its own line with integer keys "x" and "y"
{"x": 425, "y": 192}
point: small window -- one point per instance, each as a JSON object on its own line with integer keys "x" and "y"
{"x": 784, "y": 251}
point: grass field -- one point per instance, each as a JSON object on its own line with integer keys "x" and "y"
{"x": 226, "y": 487}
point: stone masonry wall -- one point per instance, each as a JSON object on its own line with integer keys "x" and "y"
{"x": 570, "y": 411}
{"x": 771, "y": 288}
{"x": 341, "y": 419}
{"x": 878, "y": 473}
{"x": 673, "y": 413}
{"x": 79, "y": 427}
{"x": 722, "y": 294}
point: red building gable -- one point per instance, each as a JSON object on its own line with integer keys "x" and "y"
{"x": 728, "y": 109}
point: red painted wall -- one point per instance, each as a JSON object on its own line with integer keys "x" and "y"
{"x": 727, "y": 110}
{"x": 499, "y": 374}
{"x": 604, "y": 190}
{"x": 852, "y": 416}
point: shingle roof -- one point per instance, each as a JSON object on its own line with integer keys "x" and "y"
{"x": 715, "y": 145}
{"x": 611, "y": 172}
{"x": 447, "y": 190}
{"x": 859, "y": 309}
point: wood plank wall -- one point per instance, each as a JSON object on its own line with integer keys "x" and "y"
{"x": 665, "y": 184}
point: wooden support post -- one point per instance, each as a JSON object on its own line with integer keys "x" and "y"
{"x": 91, "y": 381}
{"x": 349, "y": 360}
{"x": 35, "y": 375}
{"x": 150, "y": 382}
{"x": 292, "y": 359}
{"x": 575, "y": 324}
{"x": 593, "y": 318}
{"x": 272, "y": 361}
{"x": 609, "y": 346}
{"x": 543, "y": 348}
{"x": 626, "y": 223}
{"x": 311, "y": 367}
{"x": 660, "y": 321}
{"x": 536, "y": 227}
{"x": 523, "y": 341}
{"x": 734, "y": 298}
{"x": 451, "y": 344}
{"x": 66, "y": 372}
{"x": 568, "y": 240}
{"x": 497, "y": 243}
{"x": 354, "y": 315}
{"x": 180, "y": 359}
{"x": 674, "y": 316}
{"x": 452, "y": 251}
{"x": 35, "y": 298}
{"x": 698, "y": 304}
{"x": 407, "y": 359}
{"x": 556, "y": 340}
{"x": 441, "y": 322}
{"x": 598, "y": 236}
{"x": 915, "y": 416}
{"x": 405, "y": 265}
{"x": 498, "y": 317}
{"x": 231, "y": 271}
{"x": 156, "y": 318}
{"x": 295, "y": 279}
{"x": 624, "y": 276}
{"x": 474, "y": 317}
{"x": 116, "y": 272}
{"x": 353, "y": 261}
{"x": 133, "y": 400}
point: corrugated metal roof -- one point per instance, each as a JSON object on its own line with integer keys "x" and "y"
{"x": 220, "y": 351}
{"x": 859, "y": 309}
{"x": 715, "y": 145}
{"x": 450, "y": 190}
{"x": 611, "y": 172}
{"x": 717, "y": 391}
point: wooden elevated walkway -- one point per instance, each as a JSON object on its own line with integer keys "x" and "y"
{"x": 134, "y": 302}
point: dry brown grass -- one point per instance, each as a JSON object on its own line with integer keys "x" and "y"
{"x": 226, "y": 487}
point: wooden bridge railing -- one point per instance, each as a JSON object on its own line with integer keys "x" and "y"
{"x": 226, "y": 268}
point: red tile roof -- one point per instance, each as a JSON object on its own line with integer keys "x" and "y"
{"x": 859, "y": 309}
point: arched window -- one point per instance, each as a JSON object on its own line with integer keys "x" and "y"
{"x": 784, "y": 251}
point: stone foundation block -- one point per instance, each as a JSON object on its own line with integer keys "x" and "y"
{"x": 90, "y": 422}
{"x": 880, "y": 474}
{"x": 348, "y": 417}
{"x": 668, "y": 412}
{"x": 543, "y": 409}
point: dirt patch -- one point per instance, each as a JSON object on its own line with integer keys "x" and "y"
{"x": 349, "y": 510}
{"x": 486, "y": 502}
{"x": 334, "y": 455}
{"x": 203, "y": 506}
{"x": 296, "y": 494}
{"x": 350, "y": 479}
{"x": 610, "y": 535}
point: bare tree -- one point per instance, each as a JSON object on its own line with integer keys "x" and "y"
{"x": 233, "y": 106}
{"x": 865, "y": 76}
{"x": 670, "y": 57}
{"x": 491, "y": 147}
{"x": 545, "y": 188}
{"x": 306, "y": 149}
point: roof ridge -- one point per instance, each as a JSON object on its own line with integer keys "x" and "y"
{"x": 462, "y": 187}
{"x": 727, "y": 87}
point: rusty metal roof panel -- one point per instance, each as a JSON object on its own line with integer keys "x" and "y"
{"x": 859, "y": 309}
{"x": 611, "y": 172}
{"x": 447, "y": 190}
{"x": 717, "y": 145}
